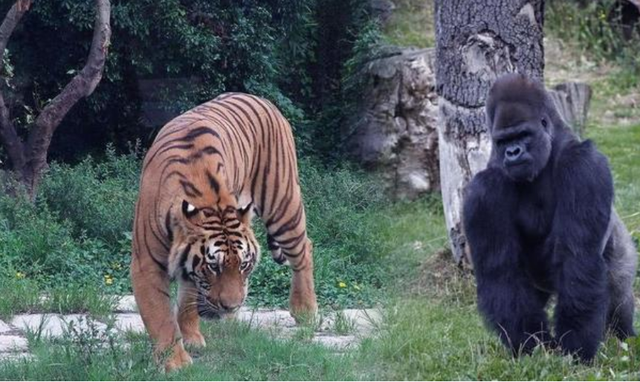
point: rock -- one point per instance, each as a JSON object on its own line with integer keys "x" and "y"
{"x": 395, "y": 130}
{"x": 572, "y": 100}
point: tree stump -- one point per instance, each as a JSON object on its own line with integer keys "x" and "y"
{"x": 572, "y": 100}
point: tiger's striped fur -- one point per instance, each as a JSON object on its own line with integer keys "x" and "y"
{"x": 204, "y": 175}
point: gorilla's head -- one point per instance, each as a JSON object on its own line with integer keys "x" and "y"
{"x": 522, "y": 121}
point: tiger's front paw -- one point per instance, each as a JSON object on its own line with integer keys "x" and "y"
{"x": 177, "y": 359}
{"x": 194, "y": 339}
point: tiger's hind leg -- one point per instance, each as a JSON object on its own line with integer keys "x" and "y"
{"x": 188, "y": 318}
{"x": 289, "y": 243}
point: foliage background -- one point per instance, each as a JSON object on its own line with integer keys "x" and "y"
{"x": 296, "y": 53}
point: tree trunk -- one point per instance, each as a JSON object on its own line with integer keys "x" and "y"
{"x": 27, "y": 159}
{"x": 476, "y": 41}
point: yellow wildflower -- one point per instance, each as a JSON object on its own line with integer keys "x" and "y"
{"x": 108, "y": 279}
{"x": 342, "y": 284}
{"x": 20, "y": 275}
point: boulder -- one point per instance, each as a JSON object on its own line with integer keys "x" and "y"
{"x": 395, "y": 132}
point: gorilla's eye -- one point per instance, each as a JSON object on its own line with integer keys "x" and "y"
{"x": 544, "y": 122}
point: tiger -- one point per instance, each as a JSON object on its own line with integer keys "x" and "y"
{"x": 205, "y": 176}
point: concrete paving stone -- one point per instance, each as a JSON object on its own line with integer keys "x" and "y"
{"x": 126, "y": 322}
{"x": 15, "y": 356}
{"x": 4, "y": 327}
{"x": 11, "y": 343}
{"x": 364, "y": 320}
{"x": 127, "y": 304}
{"x": 266, "y": 318}
{"x": 52, "y": 325}
{"x": 336, "y": 342}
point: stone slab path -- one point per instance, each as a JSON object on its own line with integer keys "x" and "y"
{"x": 338, "y": 330}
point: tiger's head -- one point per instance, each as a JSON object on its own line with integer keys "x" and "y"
{"x": 216, "y": 249}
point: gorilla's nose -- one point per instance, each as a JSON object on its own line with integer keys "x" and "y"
{"x": 513, "y": 153}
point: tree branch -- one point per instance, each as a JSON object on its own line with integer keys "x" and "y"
{"x": 82, "y": 85}
{"x": 8, "y": 135}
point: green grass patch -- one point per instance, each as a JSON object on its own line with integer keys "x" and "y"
{"x": 23, "y": 296}
{"x": 234, "y": 352}
{"x": 443, "y": 340}
{"x": 77, "y": 237}
{"x": 622, "y": 146}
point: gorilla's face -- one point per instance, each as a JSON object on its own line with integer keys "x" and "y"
{"x": 522, "y": 145}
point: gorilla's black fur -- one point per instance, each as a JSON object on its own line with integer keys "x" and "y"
{"x": 539, "y": 220}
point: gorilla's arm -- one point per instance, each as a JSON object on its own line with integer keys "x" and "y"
{"x": 584, "y": 188}
{"x": 506, "y": 298}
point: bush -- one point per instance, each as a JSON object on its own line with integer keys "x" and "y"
{"x": 78, "y": 232}
{"x": 342, "y": 206}
{"x": 291, "y": 52}
{"x": 38, "y": 245}
{"x": 96, "y": 199}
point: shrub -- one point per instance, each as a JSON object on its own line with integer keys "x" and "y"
{"x": 97, "y": 199}
{"x": 342, "y": 205}
{"x": 78, "y": 232}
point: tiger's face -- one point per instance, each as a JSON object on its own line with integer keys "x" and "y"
{"x": 216, "y": 251}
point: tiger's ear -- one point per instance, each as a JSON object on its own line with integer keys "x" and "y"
{"x": 189, "y": 210}
{"x": 246, "y": 214}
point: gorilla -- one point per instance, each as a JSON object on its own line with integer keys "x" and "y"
{"x": 539, "y": 221}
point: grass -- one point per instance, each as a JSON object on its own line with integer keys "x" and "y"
{"x": 27, "y": 296}
{"x": 431, "y": 329}
{"x": 622, "y": 146}
{"x": 78, "y": 239}
{"x": 234, "y": 352}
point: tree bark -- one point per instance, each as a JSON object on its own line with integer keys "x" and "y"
{"x": 476, "y": 41}
{"x": 28, "y": 159}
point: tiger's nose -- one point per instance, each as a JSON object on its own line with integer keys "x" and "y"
{"x": 232, "y": 308}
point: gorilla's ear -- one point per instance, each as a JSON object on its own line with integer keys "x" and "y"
{"x": 245, "y": 215}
